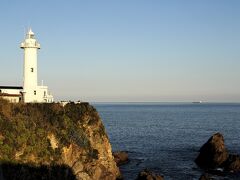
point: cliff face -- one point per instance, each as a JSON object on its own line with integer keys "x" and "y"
{"x": 58, "y": 142}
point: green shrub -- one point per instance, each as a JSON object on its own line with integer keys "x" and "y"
{"x": 25, "y": 128}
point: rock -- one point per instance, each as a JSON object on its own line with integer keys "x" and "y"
{"x": 148, "y": 175}
{"x": 50, "y": 140}
{"x": 205, "y": 177}
{"x": 214, "y": 157}
{"x": 120, "y": 157}
{"x": 233, "y": 163}
{"x": 213, "y": 153}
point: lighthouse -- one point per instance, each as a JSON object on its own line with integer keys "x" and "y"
{"x": 31, "y": 91}
{"x": 30, "y": 46}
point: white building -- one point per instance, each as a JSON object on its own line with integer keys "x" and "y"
{"x": 11, "y": 93}
{"x": 30, "y": 92}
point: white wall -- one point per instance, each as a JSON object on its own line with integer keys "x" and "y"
{"x": 11, "y": 99}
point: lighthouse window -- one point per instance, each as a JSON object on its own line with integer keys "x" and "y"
{"x": 35, "y": 92}
{"x": 31, "y": 69}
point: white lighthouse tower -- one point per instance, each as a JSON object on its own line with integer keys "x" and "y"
{"x": 31, "y": 91}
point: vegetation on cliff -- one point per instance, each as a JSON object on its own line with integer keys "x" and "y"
{"x": 51, "y": 135}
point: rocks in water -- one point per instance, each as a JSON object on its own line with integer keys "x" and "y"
{"x": 120, "y": 157}
{"x": 148, "y": 175}
{"x": 213, "y": 153}
{"x": 214, "y": 157}
{"x": 233, "y": 163}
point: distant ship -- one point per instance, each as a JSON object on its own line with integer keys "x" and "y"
{"x": 197, "y": 102}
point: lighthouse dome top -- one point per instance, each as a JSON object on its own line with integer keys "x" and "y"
{"x": 30, "y": 33}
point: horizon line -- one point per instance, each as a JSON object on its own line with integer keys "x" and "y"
{"x": 156, "y": 102}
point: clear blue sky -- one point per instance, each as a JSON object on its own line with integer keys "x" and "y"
{"x": 128, "y": 50}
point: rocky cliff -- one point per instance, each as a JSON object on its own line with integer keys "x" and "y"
{"x": 54, "y": 142}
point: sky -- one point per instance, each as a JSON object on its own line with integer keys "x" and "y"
{"x": 128, "y": 50}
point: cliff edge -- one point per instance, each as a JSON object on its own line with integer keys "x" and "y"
{"x": 54, "y": 142}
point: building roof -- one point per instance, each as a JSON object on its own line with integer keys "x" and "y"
{"x": 10, "y": 95}
{"x": 11, "y": 87}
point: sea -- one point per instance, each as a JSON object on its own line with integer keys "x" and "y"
{"x": 166, "y": 137}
